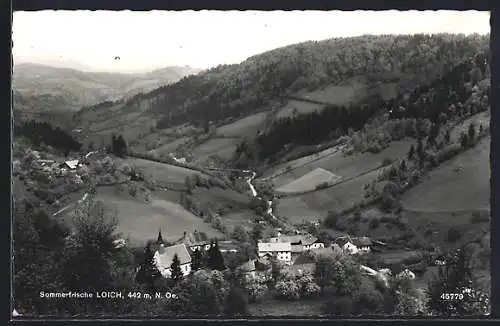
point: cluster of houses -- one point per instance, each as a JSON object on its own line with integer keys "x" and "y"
{"x": 287, "y": 248}
{"x": 164, "y": 252}
{"x": 291, "y": 250}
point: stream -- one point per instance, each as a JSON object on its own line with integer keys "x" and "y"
{"x": 249, "y": 180}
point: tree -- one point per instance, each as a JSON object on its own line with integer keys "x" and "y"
{"x": 332, "y": 219}
{"x": 189, "y": 183}
{"x": 420, "y": 150}
{"x": 471, "y": 132}
{"x": 175, "y": 269}
{"x": 456, "y": 277}
{"x": 403, "y": 165}
{"x": 118, "y": 145}
{"x": 215, "y": 258}
{"x": 411, "y": 152}
{"x": 159, "y": 240}
{"x": 148, "y": 272}
{"x": 88, "y": 261}
{"x": 38, "y": 245}
{"x": 464, "y": 140}
{"x": 240, "y": 234}
{"x": 447, "y": 136}
{"x": 257, "y": 232}
{"x": 197, "y": 261}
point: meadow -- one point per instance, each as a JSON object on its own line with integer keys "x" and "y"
{"x": 460, "y": 184}
{"x": 221, "y": 147}
{"x": 161, "y": 173}
{"x": 247, "y": 126}
{"x": 346, "y": 166}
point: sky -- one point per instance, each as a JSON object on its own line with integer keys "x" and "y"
{"x": 144, "y": 41}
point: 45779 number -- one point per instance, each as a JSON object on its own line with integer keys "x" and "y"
{"x": 452, "y": 296}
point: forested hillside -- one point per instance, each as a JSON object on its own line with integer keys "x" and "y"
{"x": 438, "y": 101}
{"x": 232, "y": 91}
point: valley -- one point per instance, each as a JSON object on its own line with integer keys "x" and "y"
{"x": 374, "y": 152}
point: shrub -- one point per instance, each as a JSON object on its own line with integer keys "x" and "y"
{"x": 453, "y": 234}
{"x": 322, "y": 185}
{"x": 374, "y": 224}
{"x": 479, "y": 218}
{"x": 288, "y": 290}
{"x": 387, "y": 161}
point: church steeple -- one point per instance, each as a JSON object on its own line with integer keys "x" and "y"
{"x": 160, "y": 238}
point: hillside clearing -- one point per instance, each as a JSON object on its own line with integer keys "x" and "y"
{"x": 310, "y": 181}
{"x": 293, "y": 106}
{"x": 247, "y": 126}
{"x": 160, "y": 172}
{"x": 221, "y": 147}
{"x": 345, "y": 166}
{"x": 461, "y": 184}
{"x": 317, "y": 204}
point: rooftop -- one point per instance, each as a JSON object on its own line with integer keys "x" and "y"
{"x": 362, "y": 241}
{"x": 166, "y": 254}
{"x": 274, "y": 246}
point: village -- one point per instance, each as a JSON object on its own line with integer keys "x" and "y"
{"x": 294, "y": 252}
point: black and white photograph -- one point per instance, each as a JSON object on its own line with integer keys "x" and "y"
{"x": 255, "y": 164}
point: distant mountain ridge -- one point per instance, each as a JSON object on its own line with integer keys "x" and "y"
{"x": 67, "y": 89}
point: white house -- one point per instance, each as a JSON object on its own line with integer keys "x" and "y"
{"x": 164, "y": 257}
{"x": 347, "y": 246}
{"x": 280, "y": 250}
{"x": 363, "y": 244}
{"x": 300, "y": 242}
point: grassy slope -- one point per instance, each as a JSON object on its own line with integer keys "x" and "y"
{"x": 345, "y": 166}
{"x": 162, "y": 173}
{"x": 140, "y": 221}
{"x": 222, "y": 147}
{"x": 449, "y": 189}
{"x": 247, "y": 126}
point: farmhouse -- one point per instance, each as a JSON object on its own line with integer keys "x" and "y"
{"x": 363, "y": 244}
{"x": 164, "y": 256}
{"x": 301, "y": 242}
{"x": 280, "y": 250}
{"x": 347, "y": 246}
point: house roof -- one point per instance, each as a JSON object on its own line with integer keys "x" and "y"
{"x": 362, "y": 241}
{"x": 341, "y": 241}
{"x": 297, "y": 248}
{"x": 303, "y": 239}
{"x": 72, "y": 164}
{"x": 166, "y": 255}
{"x": 274, "y": 246}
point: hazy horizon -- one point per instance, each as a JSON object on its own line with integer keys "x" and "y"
{"x": 147, "y": 41}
